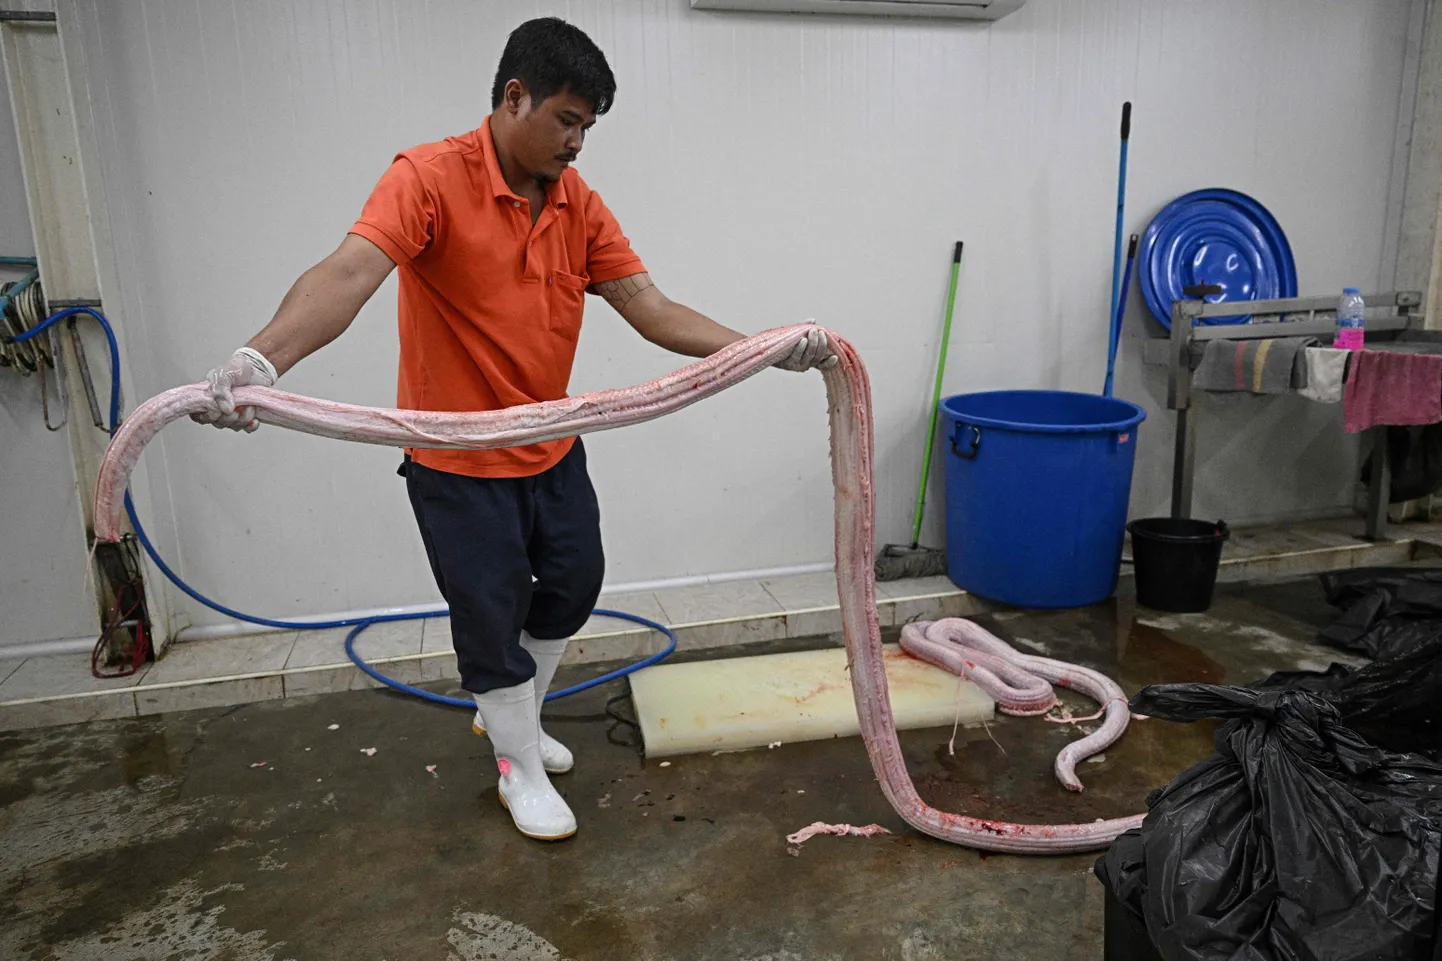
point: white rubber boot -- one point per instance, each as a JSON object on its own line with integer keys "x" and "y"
{"x": 556, "y": 757}
{"x": 547, "y": 655}
{"x": 510, "y": 718}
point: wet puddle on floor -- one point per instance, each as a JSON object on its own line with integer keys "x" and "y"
{"x": 144, "y": 753}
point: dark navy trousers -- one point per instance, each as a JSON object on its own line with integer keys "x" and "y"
{"x": 510, "y": 554}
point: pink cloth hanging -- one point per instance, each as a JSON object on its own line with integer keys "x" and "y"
{"x": 1392, "y": 389}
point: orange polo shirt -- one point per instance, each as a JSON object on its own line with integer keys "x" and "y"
{"x": 489, "y": 306}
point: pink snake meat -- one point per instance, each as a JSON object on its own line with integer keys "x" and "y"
{"x": 849, "y": 400}
{"x": 1019, "y": 682}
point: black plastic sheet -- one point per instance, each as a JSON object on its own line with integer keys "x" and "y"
{"x": 1297, "y": 841}
{"x": 1383, "y": 609}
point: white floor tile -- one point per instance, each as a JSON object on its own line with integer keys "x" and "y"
{"x": 436, "y": 635}
{"x": 57, "y": 674}
{"x": 958, "y": 604}
{"x": 330, "y": 680}
{"x": 811, "y": 601}
{"x": 642, "y": 604}
{"x": 389, "y": 639}
{"x": 1278, "y": 541}
{"x": 440, "y": 668}
{"x": 917, "y": 587}
{"x": 9, "y": 666}
{"x": 814, "y": 623}
{"x": 222, "y": 657}
{"x": 717, "y": 602}
{"x": 727, "y": 633}
{"x": 885, "y": 611}
{"x": 71, "y": 710}
{"x": 436, "y": 640}
{"x": 215, "y": 694}
{"x": 803, "y": 592}
{"x": 619, "y": 647}
{"x": 1331, "y": 537}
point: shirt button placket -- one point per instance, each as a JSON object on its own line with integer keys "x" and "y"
{"x": 525, "y": 254}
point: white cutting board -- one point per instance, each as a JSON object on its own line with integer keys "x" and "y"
{"x": 745, "y": 702}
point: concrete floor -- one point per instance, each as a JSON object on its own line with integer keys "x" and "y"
{"x": 165, "y": 837}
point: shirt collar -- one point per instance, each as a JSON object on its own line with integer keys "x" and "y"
{"x": 555, "y": 192}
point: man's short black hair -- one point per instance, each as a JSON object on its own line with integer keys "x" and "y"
{"x": 548, "y": 55}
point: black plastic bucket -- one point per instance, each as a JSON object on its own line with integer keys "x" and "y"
{"x": 1176, "y": 562}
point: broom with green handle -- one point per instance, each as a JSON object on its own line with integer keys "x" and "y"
{"x": 897, "y": 561}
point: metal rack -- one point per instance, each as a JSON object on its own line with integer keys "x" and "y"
{"x": 1388, "y": 316}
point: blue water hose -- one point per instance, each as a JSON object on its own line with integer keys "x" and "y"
{"x": 358, "y": 624}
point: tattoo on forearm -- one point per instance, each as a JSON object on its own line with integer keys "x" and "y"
{"x": 623, "y": 290}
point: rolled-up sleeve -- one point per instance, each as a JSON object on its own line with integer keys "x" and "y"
{"x": 608, "y": 253}
{"x": 399, "y": 217}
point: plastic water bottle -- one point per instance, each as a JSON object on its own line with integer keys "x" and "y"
{"x": 1350, "y": 320}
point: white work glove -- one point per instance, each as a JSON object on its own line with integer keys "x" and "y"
{"x": 246, "y": 368}
{"x": 810, "y": 351}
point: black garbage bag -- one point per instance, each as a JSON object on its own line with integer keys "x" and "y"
{"x": 1395, "y": 703}
{"x": 1297, "y": 841}
{"x": 1383, "y": 609}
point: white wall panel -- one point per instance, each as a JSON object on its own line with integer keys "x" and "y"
{"x": 768, "y": 169}
{"x": 42, "y": 568}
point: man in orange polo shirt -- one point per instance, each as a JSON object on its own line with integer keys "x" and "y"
{"x": 497, "y": 240}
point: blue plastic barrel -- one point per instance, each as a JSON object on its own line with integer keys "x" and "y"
{"x": 1037, "y": 484}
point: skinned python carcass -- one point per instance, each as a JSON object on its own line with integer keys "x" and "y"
{"x": 849, "y": 400}
{"x": 1021, "y": 684}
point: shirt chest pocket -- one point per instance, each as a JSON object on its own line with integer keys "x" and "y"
{"x": 566, "y": 295}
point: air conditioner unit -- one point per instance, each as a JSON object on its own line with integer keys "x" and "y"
{"x": 942, "y": 9}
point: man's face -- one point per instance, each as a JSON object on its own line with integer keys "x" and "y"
{"x": 550, "y": 134}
